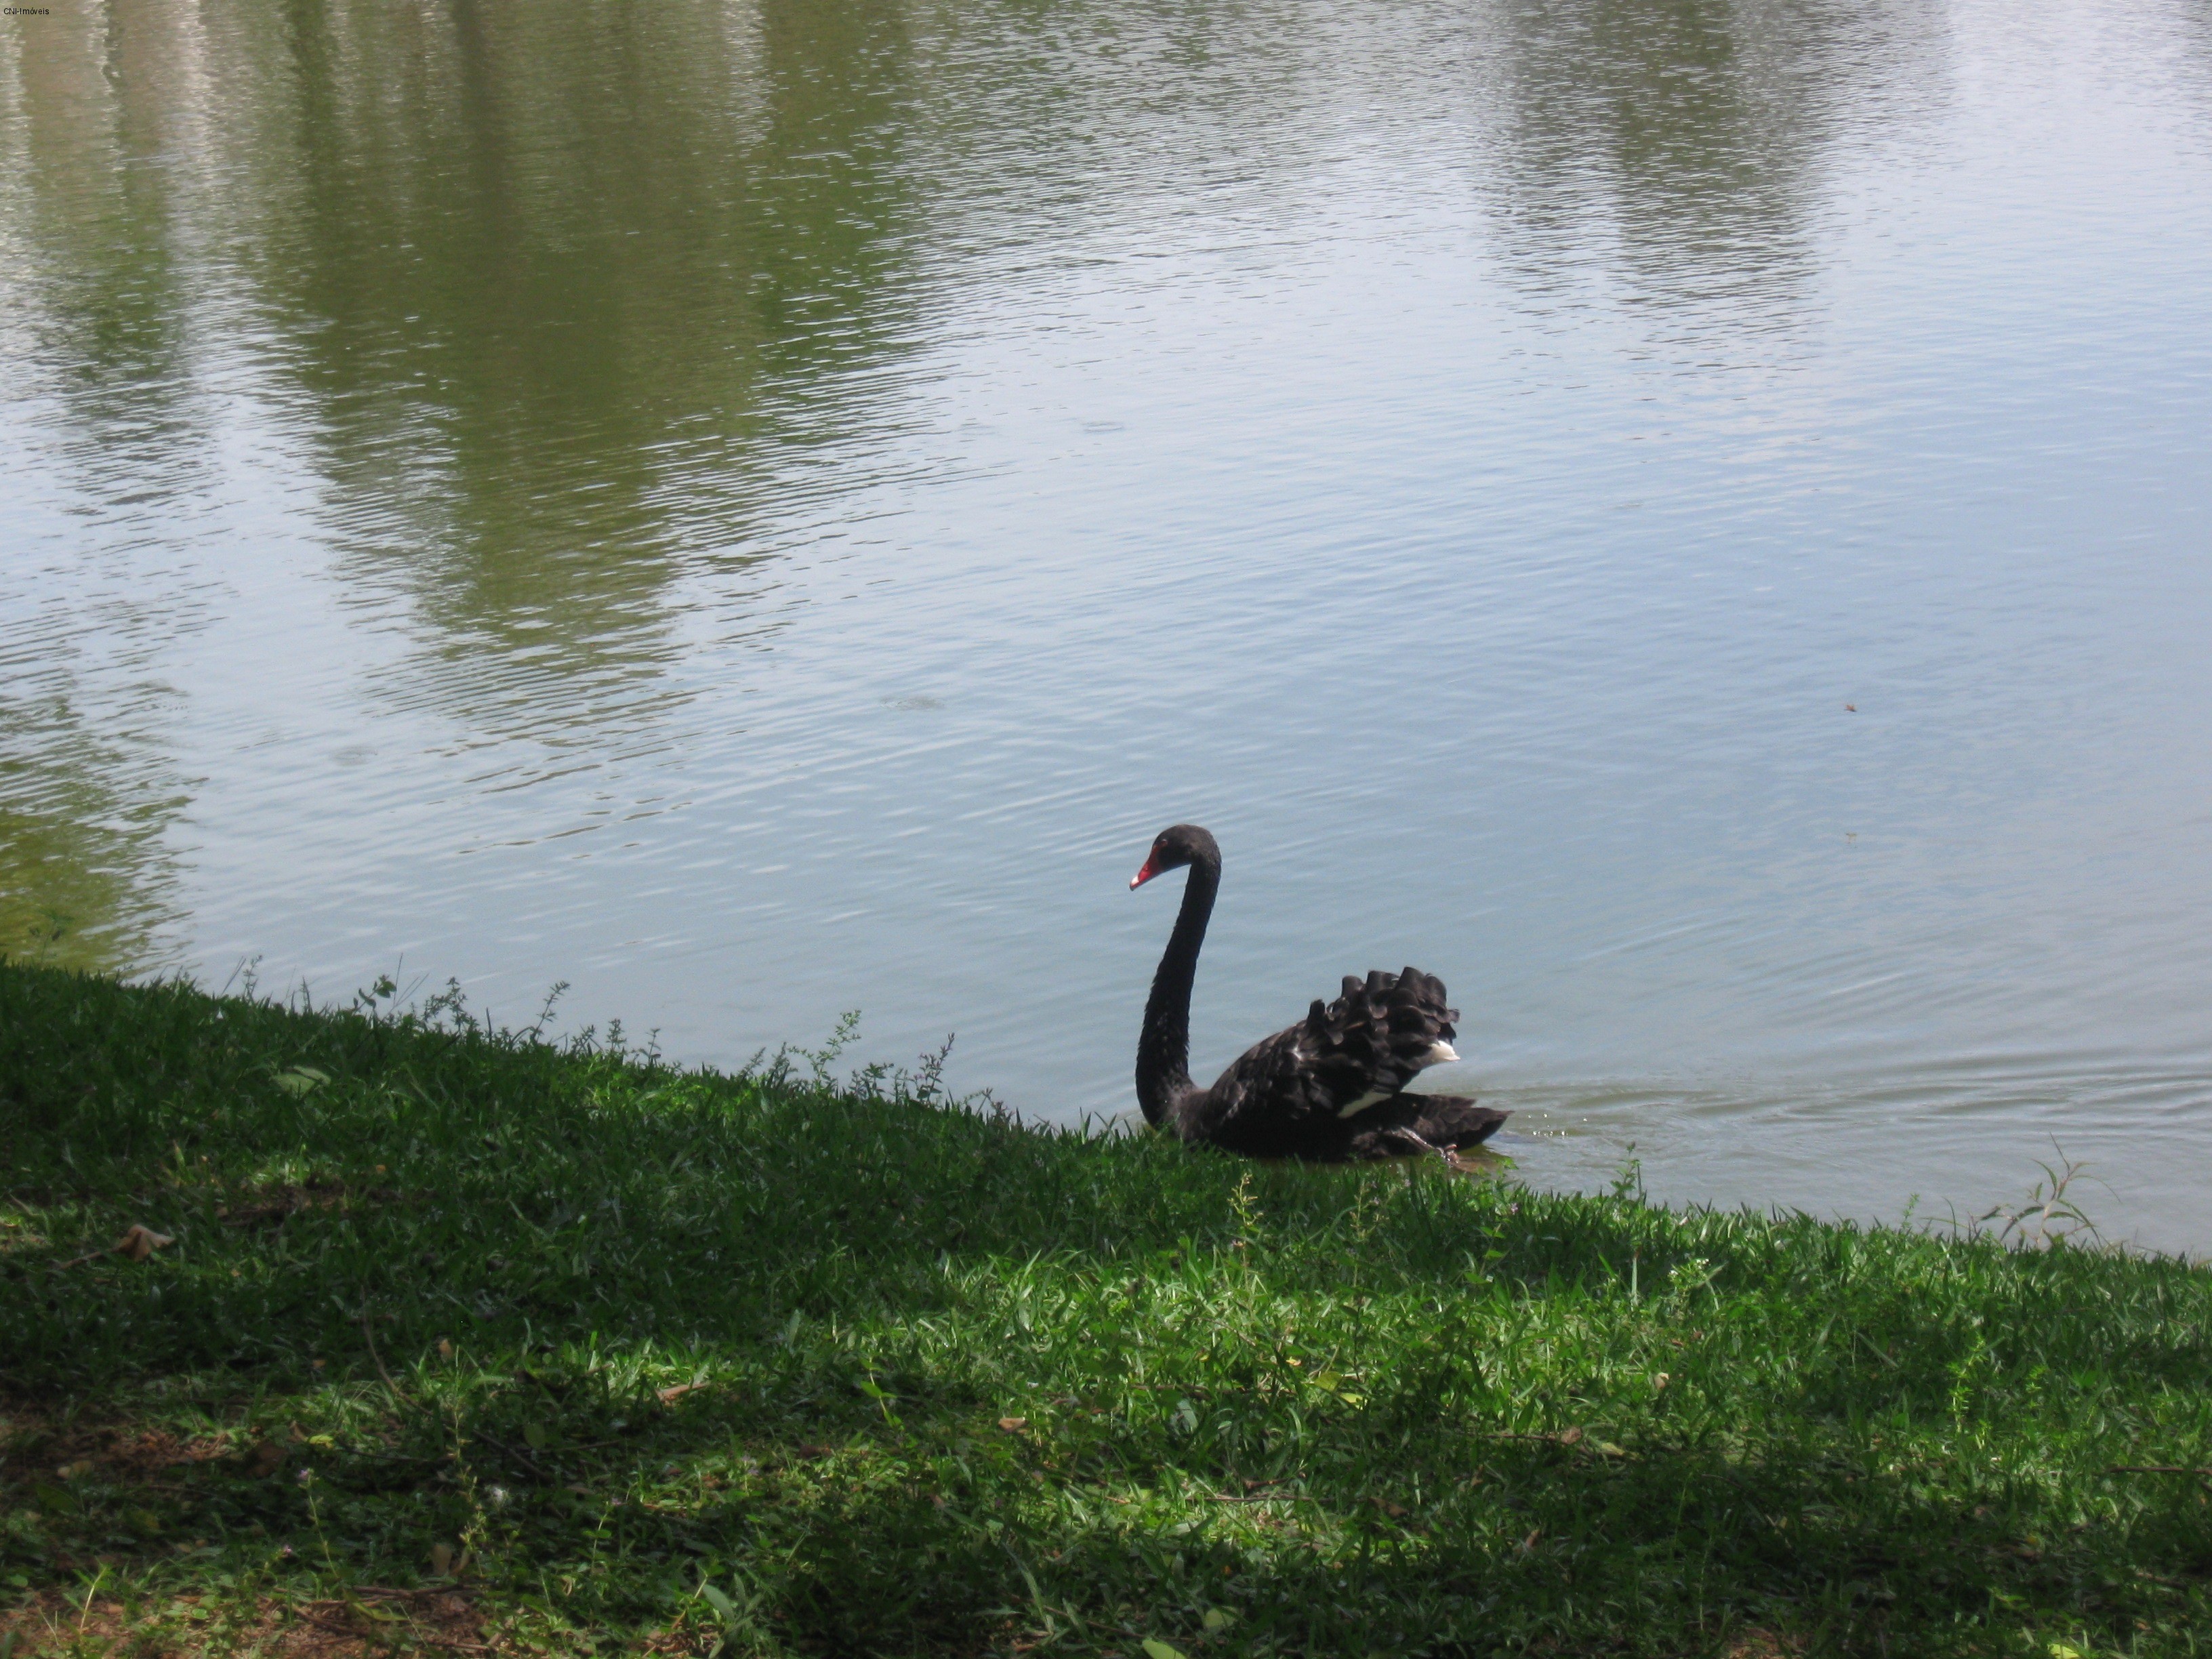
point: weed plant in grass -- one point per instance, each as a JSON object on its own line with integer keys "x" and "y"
{"x": 591, "y": 1348}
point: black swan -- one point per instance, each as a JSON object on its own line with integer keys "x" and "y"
{"x": 1329, "y": 1088}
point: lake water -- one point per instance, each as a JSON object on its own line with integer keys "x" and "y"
{"x": 1688, "y": 520}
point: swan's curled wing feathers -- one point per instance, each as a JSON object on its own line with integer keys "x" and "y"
{"x": 1343, "y": 1057}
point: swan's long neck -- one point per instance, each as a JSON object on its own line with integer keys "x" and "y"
{"x": 1163, "y": 1050}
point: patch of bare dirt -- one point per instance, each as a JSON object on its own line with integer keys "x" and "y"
{"x": 1765, "y": 1644}
{"x": 369, "y": 1619}
{"x": 33, "y": 1445}
{"x": 271, "y": 1206}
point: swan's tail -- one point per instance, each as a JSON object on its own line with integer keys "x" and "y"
{"x": 1447, "y": 1122}
{"x": 1450, "y": 1121}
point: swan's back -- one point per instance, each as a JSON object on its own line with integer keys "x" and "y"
{"x": 1302, "y": 1090}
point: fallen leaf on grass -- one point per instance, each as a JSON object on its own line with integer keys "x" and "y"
{"x": 1013, "y": 1424}
{"x": 302, "y": 1080}
{"x": 1569, "y": 1437}
{"x": 670, "y": 1396}
{"x": 136, "y": 1245}
{"x": 1393, "y": 1510}
{"x": 1216, "y": 1620}
{"x": 1161, "y": 1650}
{"x": 141, "y": 1241}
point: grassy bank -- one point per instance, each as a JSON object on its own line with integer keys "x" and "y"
{"x": 469, "y": 1341}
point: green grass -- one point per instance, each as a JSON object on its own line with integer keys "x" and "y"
{"x": 953, "y": 1385}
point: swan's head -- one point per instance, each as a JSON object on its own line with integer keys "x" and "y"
{"x": 1173, "y": 847}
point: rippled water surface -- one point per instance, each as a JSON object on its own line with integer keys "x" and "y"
{"x": 1688, "y": 520}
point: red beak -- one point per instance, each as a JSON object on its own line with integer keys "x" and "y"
{"x": 1143, "y": 875}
